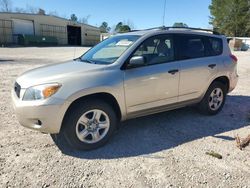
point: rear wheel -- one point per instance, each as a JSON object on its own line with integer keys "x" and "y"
{"x": 89, "y": 125}
{"x": 214, "y": 99}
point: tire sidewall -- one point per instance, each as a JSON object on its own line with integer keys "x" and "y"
{"x": 204, "y": 105}
{"x": 69, "y": 125}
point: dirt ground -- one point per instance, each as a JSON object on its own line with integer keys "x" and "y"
{"x": 163, "y": 150}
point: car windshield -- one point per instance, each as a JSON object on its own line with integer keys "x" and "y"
{"x": 108, "y": 51}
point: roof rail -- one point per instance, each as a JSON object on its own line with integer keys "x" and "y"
{"x": 153, "y": 28}
{"x": 193, "y": 28}
{"x": 187, "y": 28}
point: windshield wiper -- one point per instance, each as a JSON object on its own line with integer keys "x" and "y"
{"x": 88, "y": 61}
{"x": 77, "y": 59}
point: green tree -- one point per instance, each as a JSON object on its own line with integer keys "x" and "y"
{"x": 231, "y": 17}
{"x": 73, "y": 18}
{"x": 124, "y": 29}
{"x": 180, "y": 24}
{"x": 120, "y": 28}
{"x": 104, "y": 27}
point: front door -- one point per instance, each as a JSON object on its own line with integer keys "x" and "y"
{"x": 156, "y": 82}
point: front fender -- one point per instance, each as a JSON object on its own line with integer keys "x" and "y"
{"x": 117, "y": 93}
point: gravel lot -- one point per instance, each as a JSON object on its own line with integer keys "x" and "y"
{"x": 163, "y": 150}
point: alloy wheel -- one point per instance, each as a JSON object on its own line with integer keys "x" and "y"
{"x": 92, "y": 126}
{"x": 216, "y": 99}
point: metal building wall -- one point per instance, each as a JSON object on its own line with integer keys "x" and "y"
{"x": 6, "y": 32}
{"x": 60, "y": 32}
{"x": 47, "y": 26}
{"x": 92, "y": 36}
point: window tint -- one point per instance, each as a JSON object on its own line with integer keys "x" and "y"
{"x": 195, "y": 46}
{"x": 191, "y": 47}
{"x": 158, "y": 49}
{"x": 215, "y": 46}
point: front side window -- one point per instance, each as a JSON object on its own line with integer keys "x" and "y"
{"x": 158, "y": 49}
{"x": 108, "y": 51}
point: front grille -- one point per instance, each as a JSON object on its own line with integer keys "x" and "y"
{"x": 17, "y": 89}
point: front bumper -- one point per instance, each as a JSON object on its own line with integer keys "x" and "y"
{"x": 44, "y": 116}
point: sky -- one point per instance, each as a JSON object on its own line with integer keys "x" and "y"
{"x": 141, "y": 13}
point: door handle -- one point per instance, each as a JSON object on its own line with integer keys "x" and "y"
{"x": 212, "y": 66}
{"x": 173, "y": 71}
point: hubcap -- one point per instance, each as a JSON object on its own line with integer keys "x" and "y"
{"x": 216, "y": 99}
{"x": 92, "y": 126}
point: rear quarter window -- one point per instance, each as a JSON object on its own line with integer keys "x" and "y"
{"x": 215, "y": 46}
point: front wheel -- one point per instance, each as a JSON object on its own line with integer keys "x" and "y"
{"x": 214, "y": 99}
{"x": 89, "y": 125}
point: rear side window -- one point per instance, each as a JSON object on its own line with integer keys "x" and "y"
{"x": 197, "y": 46}
{"x": 191, "y": 47}
{"x": 215, "y": 46}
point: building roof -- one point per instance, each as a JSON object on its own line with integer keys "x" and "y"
{"x": 31, "y": 14}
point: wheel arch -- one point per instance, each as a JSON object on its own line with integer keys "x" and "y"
{"x": 106, "y": 97}
{"x": 224, "y": 80}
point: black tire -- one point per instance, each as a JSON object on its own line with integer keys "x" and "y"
{"x": 68, "y": 131}
{"x": 204, "y": 106}
{"x": 60, "y": 142}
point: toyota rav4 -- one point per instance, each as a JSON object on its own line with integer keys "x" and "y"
{"x": 126, "y": 76}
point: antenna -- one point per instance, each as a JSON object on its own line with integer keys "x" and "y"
{"x": 74, "y": 52}
{"x": 164, "y": 13}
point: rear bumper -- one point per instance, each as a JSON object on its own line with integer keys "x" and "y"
{"x": 42, "y": 116}
{"x": 234, "y": 77}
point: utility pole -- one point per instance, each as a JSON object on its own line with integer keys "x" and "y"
{"x": 164, "y": 13}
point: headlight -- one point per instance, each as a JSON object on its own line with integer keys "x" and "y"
{"x": 41, "y": 92}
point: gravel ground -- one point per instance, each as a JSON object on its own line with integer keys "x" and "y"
{"x": 162, "y": 150}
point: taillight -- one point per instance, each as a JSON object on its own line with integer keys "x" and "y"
{"x": 234, "y": 58}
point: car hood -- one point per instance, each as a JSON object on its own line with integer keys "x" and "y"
{"x": 56, "y": 73}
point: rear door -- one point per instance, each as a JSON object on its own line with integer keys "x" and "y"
{"x": 198, "y": 64}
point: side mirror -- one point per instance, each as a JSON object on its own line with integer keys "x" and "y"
{"x": 137, "y": 61}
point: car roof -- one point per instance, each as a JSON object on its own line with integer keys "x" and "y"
{"x": 156, "y": 31}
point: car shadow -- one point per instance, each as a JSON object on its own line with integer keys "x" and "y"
{"x": 6, "y": 60}
{"x": 154, "y": 133}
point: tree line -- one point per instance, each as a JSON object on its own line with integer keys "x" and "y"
{"x": 120, "y": 27}
{"x": 231, "y": 17}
